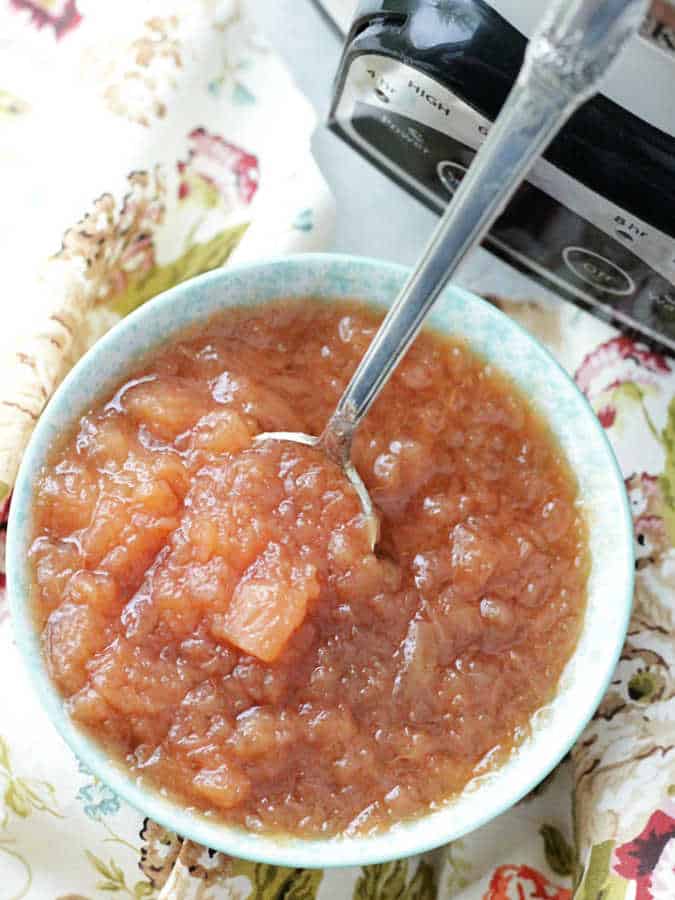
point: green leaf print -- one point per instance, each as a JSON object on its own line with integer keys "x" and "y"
{"x": 459, "y": 868}
{"x": 559, "y": 855}
{"x": 272, "y": 882}
{"x": 668, "y": 477}
{"x": 615, "y": 887}
{"x": 4, "y": 756}
{"x": 113, "y": 879}
{"x": 629, "y": 393}
{"x": 197, "y": 259}
{"x": 268, "y": 881}
{"x": 303, "y": 884}
{"x": 646, "y": 686}
{"x": 389, "y": 881}
{"x": 99, "y": 865}
{"x": 17, "y": 799}
{"x": 23, "y": 795}
{"x": 597, "y": 875}
{"x": 423, "y": 885}
{"x": 386, "y": 881}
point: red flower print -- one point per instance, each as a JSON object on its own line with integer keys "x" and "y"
{"x": 611, "y": 352}
{"x": 607, "y": 415}
{"x": 637, "y": 859}
{"x": 61, "y": 15}
{"x": 523, "y": 883}
{"x": 620, "y": 371}
{"x": 4, "y": 512}
{"x": 230, "y": 170}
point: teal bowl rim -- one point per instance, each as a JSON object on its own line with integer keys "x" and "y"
{"x": 407, "y": 838}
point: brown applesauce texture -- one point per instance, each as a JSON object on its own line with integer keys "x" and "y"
{"x": 212, "y": 611}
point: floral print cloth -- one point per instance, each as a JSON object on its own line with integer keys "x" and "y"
{"x": 142, "y": 143}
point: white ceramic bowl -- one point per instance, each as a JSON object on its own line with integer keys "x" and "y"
{"x": 503, "y": 343}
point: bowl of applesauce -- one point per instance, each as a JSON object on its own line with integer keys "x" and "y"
{"x": 207, "y": 623}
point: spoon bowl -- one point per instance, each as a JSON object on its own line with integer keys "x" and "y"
{"x": 347, "y": 466}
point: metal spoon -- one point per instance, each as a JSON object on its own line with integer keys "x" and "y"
{"x": 565, "y": 59}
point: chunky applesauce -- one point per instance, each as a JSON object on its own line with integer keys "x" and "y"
{"x": 211, "y": 608}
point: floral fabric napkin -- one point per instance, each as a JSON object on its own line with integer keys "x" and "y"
{"x": 145, "y": 142}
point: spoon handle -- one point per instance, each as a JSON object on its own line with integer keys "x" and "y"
{"x": 565, "y": 59}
